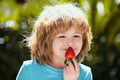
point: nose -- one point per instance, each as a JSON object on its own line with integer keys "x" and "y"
{"x": 69, "y": 41}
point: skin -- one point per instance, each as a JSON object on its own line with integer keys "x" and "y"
{"x": 62, "y": 41}
{"x": 71, "y": 72}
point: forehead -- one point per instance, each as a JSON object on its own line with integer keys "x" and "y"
{"x": 71, "y": 30}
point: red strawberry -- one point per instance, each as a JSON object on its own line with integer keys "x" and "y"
{"x": 69, "y": 54}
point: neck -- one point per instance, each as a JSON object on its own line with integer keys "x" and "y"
{"x": 57, "y": 64}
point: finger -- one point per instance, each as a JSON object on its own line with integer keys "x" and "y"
{"x": 67, "y": 69}
{"x": 71, "y": 66}
{"x": 76, "y": 65}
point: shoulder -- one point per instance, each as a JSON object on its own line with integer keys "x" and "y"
{"x": 85, "y": 72}
{"x": 27, "y": 65}
{"x": 28, "y": 62}
{"x": 26, "y": 70}
{"x": 84, "y": 67}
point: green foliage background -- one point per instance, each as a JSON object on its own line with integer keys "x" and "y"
{"x": 17, "y": 18}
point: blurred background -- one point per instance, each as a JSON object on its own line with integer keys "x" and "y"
{"x": 16, "y": 21}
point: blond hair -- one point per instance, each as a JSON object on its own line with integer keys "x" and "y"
{"x": 53, "y": 20}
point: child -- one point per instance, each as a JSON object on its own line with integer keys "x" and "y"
{"x": 58, "y": 28}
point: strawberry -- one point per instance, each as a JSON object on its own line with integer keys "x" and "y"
{"x": 69, "y": 54}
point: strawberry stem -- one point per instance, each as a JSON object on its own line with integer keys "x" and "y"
{"x": 66, "y": 60}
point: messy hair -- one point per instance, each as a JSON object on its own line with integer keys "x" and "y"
{"x": 53, "y": 20}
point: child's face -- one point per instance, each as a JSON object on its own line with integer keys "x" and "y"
{"x": 62, "y": 41}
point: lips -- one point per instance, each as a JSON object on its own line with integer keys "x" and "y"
{"x": 69, "y": 55}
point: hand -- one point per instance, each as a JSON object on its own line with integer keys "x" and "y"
{"x": 71, "y": 72}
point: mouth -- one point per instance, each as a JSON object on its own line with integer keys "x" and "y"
{"x": 66, "y": 50}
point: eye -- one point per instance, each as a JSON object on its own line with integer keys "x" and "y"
{"x": 77, "y": 36}
{"x": 62, "y": 36}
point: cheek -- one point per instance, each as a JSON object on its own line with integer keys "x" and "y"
{"x": 79, "y": 42}
{"x": 79, "y": 45}
{"x": 56, "y": 44}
